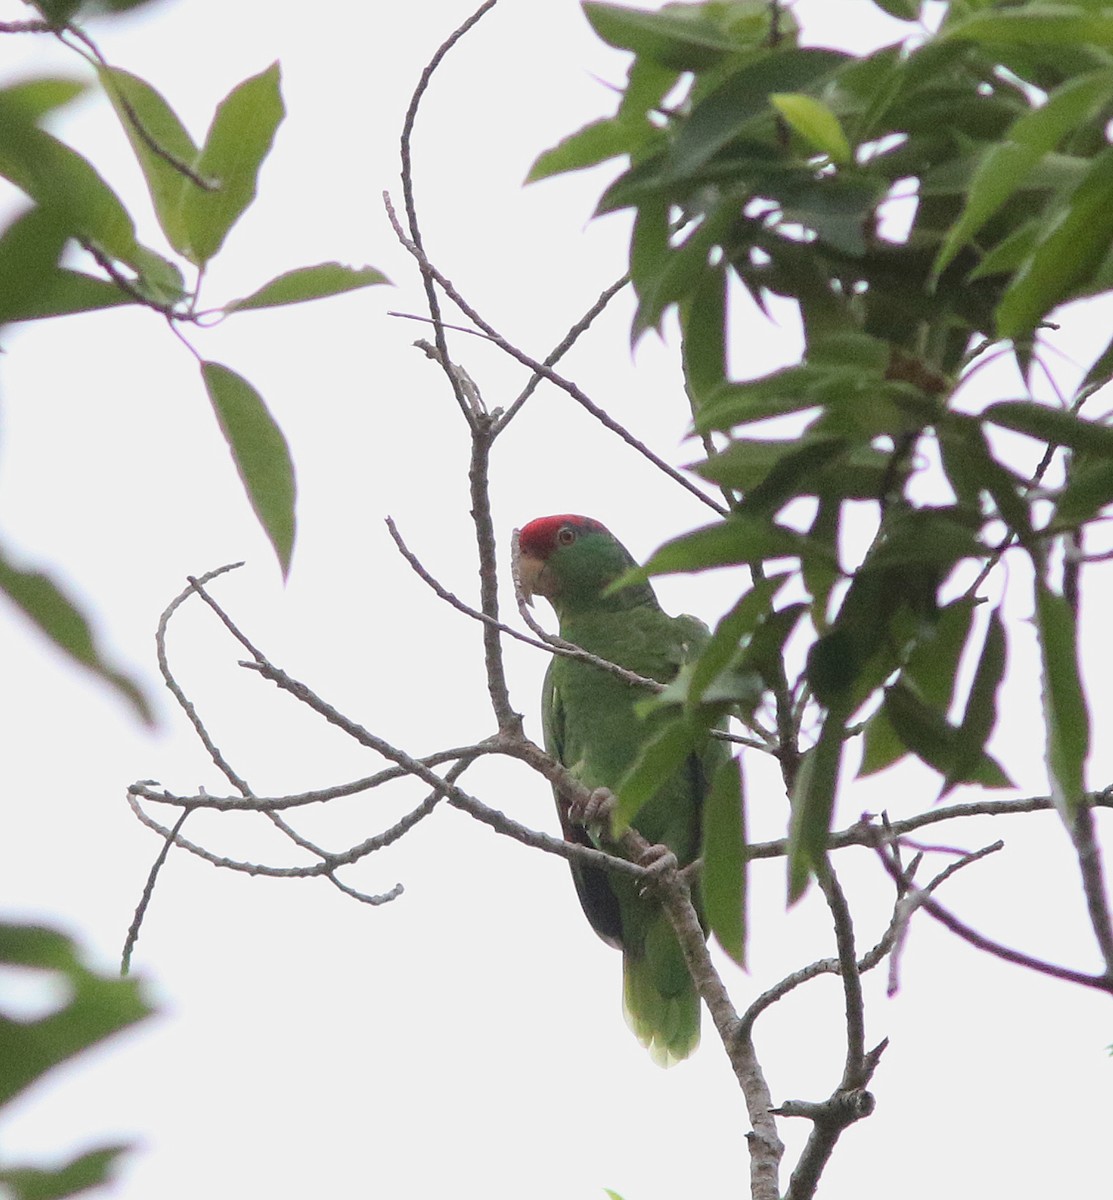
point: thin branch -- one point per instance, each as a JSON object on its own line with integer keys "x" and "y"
{"x": 766, "y": 1147}
{"x": 541, "y": 369}
{"x": 482, "y": 436}
{"x": 148, "y": 891}
{"x": 145, "y": 789}
{"x": 864, "y": 833}
{"x": 980, "y": 941}
{"x": 427, "y": 275}
{"x": 909, "y": 899}
{"x": 1093, "y": 882}
{"x": 848, "y": 970}
{"x": 561, "y": 349}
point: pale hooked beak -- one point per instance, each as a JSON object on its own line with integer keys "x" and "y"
{"x": 527, "y": 571}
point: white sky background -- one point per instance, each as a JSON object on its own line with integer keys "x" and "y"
{"x": 468, "y": 1038}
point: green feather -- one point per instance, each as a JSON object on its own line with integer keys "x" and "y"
{"x": 590, "y": 725}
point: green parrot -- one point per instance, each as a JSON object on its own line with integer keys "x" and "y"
{"x": 591, "y": 727}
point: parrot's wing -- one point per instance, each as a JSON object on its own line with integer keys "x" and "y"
{"x": 598, "y": 901}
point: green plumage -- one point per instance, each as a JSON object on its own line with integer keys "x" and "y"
{"x": 590, "y": 725}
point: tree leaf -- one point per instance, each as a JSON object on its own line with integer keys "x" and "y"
{"x": 1035, "y": 25}
{"x": 595, "y": 143}
{"x": 1066, "y": 716}
{"x": 1074, "y": 242}
{"x": 260, "y": 453}
{"x": 725, "y": 543}
{"x": 239, "y": 139}
{"x": 64, "y": 183}
{"x": 815, "y": 123}
{"x": 680, "y": 40}
{"x": 980, "y": 715}
{"x": 91, "y": 1169}
{"x": 1051, "y": 425}
{"x": 723, "y": 114}
{"x": 308, "y": 283}
{"x": 1008, "y": 164}
{"x": 724, "y": 860}
{"x": 136, "y": 101}
{"x": 60, "y": 620}
{"x": 723, "y": 644}
{"x": 95, "y": 1007}
{"x": 659, "y": 758}
{"x": 703, "y": 328}
{"x": 813, "y": 802}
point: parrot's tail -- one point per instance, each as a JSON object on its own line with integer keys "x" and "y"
{"x": 659, "y": 999}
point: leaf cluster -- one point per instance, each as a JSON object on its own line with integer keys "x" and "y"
{"x": 921, "y": 205}
{"x": 94, "y": 1007}
{"x": 199, "y": 192}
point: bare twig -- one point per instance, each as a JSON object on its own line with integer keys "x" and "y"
{"x": 981, "y": 942}
{"x": 427, "y": 275}
{"x": 909, "y": 899}
{"x": 148, "y": 891}
{"x": 1093, "y": 881}
{"x": 561, "y": 349}
{"x": 542, "y": 370}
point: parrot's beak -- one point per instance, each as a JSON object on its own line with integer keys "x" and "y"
{"x": 529, "y": 575}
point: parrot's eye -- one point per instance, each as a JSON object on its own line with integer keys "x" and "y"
{"x": 566, "y": 535}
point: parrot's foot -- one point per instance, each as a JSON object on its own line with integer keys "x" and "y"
{"x": 659, "y": 863}
{"x": 595, "y": 810}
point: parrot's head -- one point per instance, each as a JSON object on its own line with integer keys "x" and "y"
{"x": 572, "y": 560}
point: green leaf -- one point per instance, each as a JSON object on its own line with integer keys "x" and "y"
{"x": 881, "y": 747}
{"x": 29, "y": 251}
{"x": 1051, "y": 425}
{"x": 239, "y": 139}
{"x": 660, "y": 757}
{"x": 813, "y": 803}
{"x": 1066, "y": 717}
{"x": 903, "y": 10}
{"x": 727, "y": 542}
{"x": 681, "y": 40}
{"x": 1074, "y": 242}
{"x": 65, "y": 184}
{"x": 943, "y": 747}
{"x": 35, "y": 98}
{"x": 1008, "y": 164}
{"x": 815, "y": 123}
{"x": 723, "y": 644}
{"x": 1035, "y": 25}
{"x": 60, "y": 620}
{"x": 703, "y": 325}
{"x": 980, "y": 715}
{"x": 161, "y": 144}
{"x": 588, "y": 147}
{"x": 32, "y": 286}
{"x": 1089, "y": 488}
{"x": 724, "y": 860}
{"x": 308, "y": 283}
{"x": 936, "y": 538}
{"x": 260, "y": 453}
{"x": 934, "y": 662}
{"x": 92, "y": 1169}
{"x": 95, "y": 1007}
{"x": 724, "y": 113}
{"x": 972, "y": 469}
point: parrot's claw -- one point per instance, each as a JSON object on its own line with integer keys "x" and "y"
{"x": 596, "y": 809}
{"x": 659, "y": 862}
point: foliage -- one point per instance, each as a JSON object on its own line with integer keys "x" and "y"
{"x": 199, "y": 191}
{"x": 752, "y": 162}
{"x": 95, "y": 1007}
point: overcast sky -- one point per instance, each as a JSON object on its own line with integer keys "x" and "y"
{"x": 467, "y": 1038}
